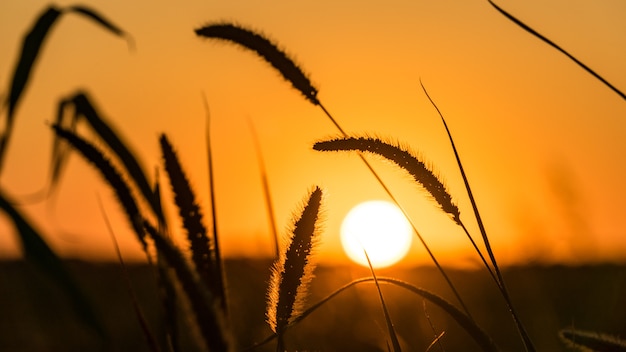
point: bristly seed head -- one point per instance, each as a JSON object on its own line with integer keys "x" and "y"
{"x": 418, "y": 169}
{"x": 293, "y": 271}
{"x": 267, "y": 50}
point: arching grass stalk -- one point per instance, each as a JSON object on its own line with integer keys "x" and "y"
{"x": 409, "y": 219}
{"x": 499, "y": 279}
{"x": 418, "y": 170}
{"x": 31, "y": 48}
{"x": 392, "y": 332}
{"x": 292, "y": 73}
{"x": 479, "y": 336}
{"x": 557, "y": 47}
{"x": 438, "y": 336}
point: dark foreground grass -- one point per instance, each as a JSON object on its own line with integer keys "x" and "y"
{"x": 36, "y": 316}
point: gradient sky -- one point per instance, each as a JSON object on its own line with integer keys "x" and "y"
{"x": 542, "y": 140}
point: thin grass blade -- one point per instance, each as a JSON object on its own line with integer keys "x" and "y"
{"x": 481, "y": 338}
{"x": 392, "y": 331}
{"x": 102, "y": 21}
{"x": 37, "y": 251}
{"x": 31, "y": 48}
{"x": 528, "y": 344}
{"x": 85, "y": 109}
{"x": 267, "y": 195}
{"x": 432, "y": 326}
{"x": 530, "y": 30}
{"x": 31, "y": 45}
{"x": 157, "y": 199}
{"x": 167, "y": 285}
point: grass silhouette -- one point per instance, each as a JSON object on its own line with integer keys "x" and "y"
{"x": 202, "y": 285}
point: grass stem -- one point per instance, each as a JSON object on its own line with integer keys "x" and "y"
{"x": 500, "y": 280}
{"x": 406, "y": 215}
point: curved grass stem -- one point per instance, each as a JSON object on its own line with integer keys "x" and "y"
{"x": 499, "y": 279}
{"x": 558, "y": 48}
{"x": 393, "y": 199}
{"x": 467, "y": 323}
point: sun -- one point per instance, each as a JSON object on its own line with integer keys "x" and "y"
{"x": 381, "y": 229}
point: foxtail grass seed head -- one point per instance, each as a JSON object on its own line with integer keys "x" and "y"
{"x": 293, "y": 271}
{"x": 112, "y": 176}
{"x": 265, "y": 49}
{"x": 191, "y": 215}
{"x": 31, "y": 48}
{"x": 403, "y": 158}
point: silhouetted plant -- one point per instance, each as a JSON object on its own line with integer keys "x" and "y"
{"x": 294, "y": 74}
{"x": 31, "y": 46}
{"x": 203, "y": 283}
{"x": 587, "y": 341}
{"x": 293, "y": 271}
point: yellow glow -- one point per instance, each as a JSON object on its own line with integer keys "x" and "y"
{"x": 381, "y": 229}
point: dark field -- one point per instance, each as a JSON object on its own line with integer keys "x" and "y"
{"x": 35, "y": 315}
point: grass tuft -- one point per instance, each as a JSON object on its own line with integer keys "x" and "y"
{"x": 544, "y": 39}
{"x": 31, "y": 47}
{"x": 86, "y": 110}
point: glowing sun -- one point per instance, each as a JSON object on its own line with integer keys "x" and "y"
{"x": 381, "y": 229}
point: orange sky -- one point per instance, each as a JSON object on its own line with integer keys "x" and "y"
{"x": 541, "y": 140}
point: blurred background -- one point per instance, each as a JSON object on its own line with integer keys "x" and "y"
{"x": 541, "y": 141}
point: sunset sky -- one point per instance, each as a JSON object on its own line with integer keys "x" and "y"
{"x": 542, "y": 141}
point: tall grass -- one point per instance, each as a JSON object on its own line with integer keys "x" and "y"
{"x": 199, "y": 279}
{"x": 293, "y": 73}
